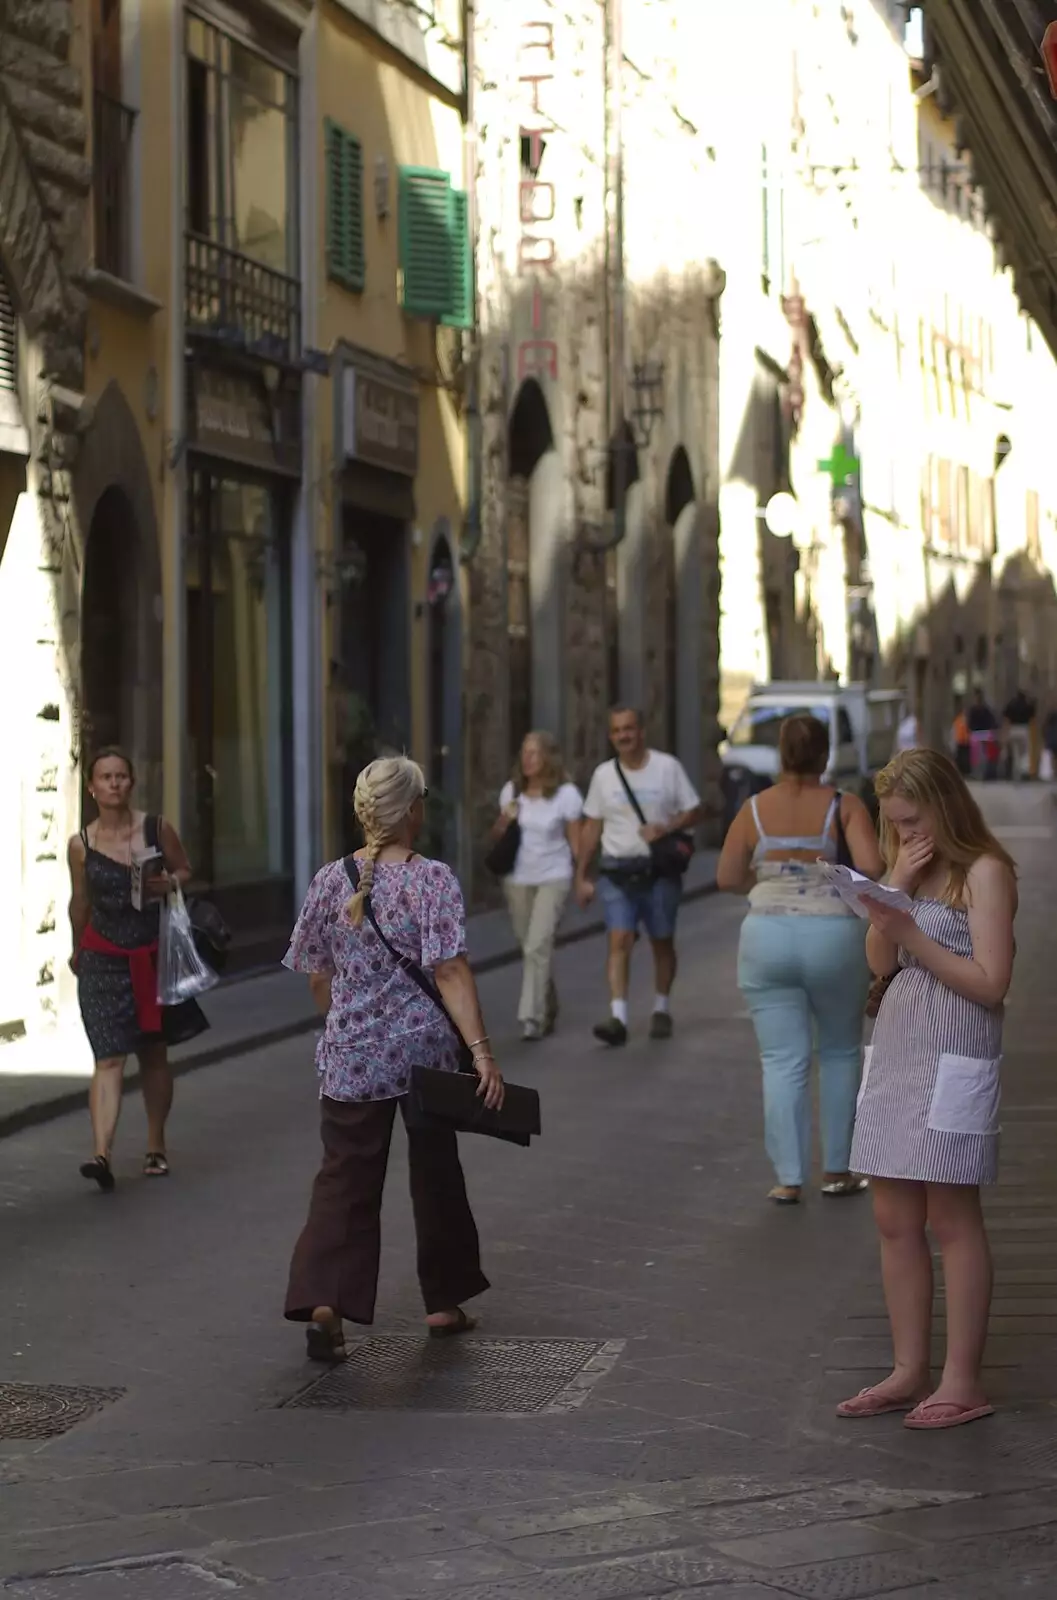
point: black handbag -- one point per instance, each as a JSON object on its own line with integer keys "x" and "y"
{"x": 449, "y": 1100}
{"x": 502, "y": 856}
{"x": 670, "y": 855}
{"x": 844, "y": 855}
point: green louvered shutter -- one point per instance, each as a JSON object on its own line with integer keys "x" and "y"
{"x": 461, "y": 308}
{"x": 426, "y": 229}
{"x": 346, "y": 256}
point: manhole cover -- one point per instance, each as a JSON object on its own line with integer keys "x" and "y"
{"x": 509, "y": 1375}
{"x": 44, "y": 1410}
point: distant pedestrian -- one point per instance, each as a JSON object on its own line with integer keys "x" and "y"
{"x": 1019, "y": 716}
{"x": 908, "y": 734}
{"x": 927, "y": 1128}
{"x": 983, "y": 733}
{"x": 802, "y": 964}
{"x": 547, "y": 809}
{"x": 378, "y": 1027}
{"x": 1048, "y": 762}
{"x": 961, "y": 739}
{"x": 635, "y": 800}
{"x": 115, "y": 946}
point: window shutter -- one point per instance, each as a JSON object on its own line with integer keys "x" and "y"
{"x": 346, "y": 256}
{"x": 426, "y": 233}
{"x": 8, "y": 342}
{"x": 460, "y": 313}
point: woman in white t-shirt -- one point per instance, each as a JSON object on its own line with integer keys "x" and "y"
{"x": 548, "y": 808}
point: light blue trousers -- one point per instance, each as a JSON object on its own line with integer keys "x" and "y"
{"x": 805, "y": 980}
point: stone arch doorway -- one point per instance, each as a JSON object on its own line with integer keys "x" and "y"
{"x": 120, "y": 634}
{"x": 444, "y": 681}
{"x": 684, "y": 615}
{"x": 535, "y": 498}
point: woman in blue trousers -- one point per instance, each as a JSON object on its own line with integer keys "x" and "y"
{"x": 802, "y": 962}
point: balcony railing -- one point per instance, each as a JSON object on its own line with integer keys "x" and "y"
{"x": 241, "y": 301}
{"x": 112, "y": 161}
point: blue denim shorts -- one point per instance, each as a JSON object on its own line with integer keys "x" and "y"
{"x": 651, "y": 904}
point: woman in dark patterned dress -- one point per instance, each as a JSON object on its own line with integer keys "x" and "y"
{"x": 115, "y": 947}
{"x": 926, "y": 1132}
{"x": 379, "y": 1026}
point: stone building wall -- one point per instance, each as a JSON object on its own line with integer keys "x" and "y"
{"x": 544, "y": 279}
{"x": 44, "y": 233}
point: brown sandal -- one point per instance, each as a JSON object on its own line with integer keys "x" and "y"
{"x": 325, "y": 1342}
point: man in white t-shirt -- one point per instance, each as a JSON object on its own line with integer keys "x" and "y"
{"x": 631, "y": 891}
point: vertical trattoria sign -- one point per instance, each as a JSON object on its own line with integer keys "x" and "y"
{"x": 537, "y": 356}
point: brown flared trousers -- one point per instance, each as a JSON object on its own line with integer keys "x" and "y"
{"x": 335, "y": 1260}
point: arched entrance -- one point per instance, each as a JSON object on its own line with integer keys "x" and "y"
{"x": 444, "y": 675}
{"x": 108, "y": 628}
{"x": 120, "y": 636}
{"x": 534, "y": 519}
{"x": 680, "y": 515}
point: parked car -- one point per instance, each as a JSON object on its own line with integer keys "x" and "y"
{"x": 862, "y": 721}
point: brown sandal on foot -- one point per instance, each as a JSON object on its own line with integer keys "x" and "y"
{"x": 325, "y": 1342}
{"x": 451, "y": 1330}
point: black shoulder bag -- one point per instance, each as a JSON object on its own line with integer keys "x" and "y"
{"x": 844, "y": 855}
{"x": 670, "y": 855}
{"x": 502, "y": 856}
{"x": 449, "y": 1100}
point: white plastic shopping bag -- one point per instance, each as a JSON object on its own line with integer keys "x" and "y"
{"x": 1046, "y": 766}
{"x": 181, "y": 971}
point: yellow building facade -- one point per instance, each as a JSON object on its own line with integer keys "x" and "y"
{"x": 232, "y": 455}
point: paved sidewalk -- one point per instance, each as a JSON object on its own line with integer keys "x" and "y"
{"x": 699, "y": 1454}
{"x": 44, "y": 1076}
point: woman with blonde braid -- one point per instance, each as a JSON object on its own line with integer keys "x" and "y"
{"x": 379, "y": 1025}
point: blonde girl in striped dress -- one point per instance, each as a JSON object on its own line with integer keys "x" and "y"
{"x": 927, "y": 1125}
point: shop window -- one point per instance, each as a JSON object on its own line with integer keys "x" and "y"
{"x": 435, "y": 255}
{"x": 346, "y": 260}
{"x": 238, "y": 685}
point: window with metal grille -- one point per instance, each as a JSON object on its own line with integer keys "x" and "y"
{"x": 8, "y": 342}
{"x": 435, "y": 256}
{"x": 346, "y": 257}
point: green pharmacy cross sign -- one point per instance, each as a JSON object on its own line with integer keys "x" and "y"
{"x": 841, "y": 467}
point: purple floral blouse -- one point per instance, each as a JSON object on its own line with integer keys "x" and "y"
{"x": 380, "y": 1024}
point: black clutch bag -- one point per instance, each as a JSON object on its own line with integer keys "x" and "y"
{"x": 450, "y": 1100}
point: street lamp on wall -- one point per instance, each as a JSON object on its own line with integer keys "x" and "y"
{"x": 647, "y": 407}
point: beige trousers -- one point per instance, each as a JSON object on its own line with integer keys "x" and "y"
{"x": 536, "y": 910}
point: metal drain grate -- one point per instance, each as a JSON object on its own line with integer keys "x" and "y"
{"x": 520, "y": 1376}
{"x": 43, "y": 1411}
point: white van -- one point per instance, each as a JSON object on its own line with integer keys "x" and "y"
{"x": 862, "y": 723}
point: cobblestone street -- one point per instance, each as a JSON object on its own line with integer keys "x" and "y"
{"x": 670, "y": 1430}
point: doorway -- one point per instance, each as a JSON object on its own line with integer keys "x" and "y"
{"x": 110, "y": 624}
{"x": 239, "y": 702}
{"x": 372, "y": 674}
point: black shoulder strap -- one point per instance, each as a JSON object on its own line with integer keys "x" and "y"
{"x": 413, "y": 970}
{"x": 629, "y": 791}
{"x": 152, "y": 832}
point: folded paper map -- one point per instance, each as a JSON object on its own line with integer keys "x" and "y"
{"x": 854, "y": 889}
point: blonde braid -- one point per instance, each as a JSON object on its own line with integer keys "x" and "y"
{"x": 385, "y": 792}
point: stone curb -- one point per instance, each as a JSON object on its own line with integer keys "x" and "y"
{"x": 77, "y": 1099}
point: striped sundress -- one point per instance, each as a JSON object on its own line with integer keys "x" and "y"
{"x": 929, "y": 1101}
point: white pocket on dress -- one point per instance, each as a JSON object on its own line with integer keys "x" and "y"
{"x": 967, "y": 1095}
{"x": 867, "y": 1061}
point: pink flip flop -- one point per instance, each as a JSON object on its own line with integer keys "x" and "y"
{"x": 932, "y": 1415}
{"x": 866, "y": 1404}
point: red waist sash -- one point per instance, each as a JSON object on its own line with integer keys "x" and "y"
{"x": 143, "y": 968}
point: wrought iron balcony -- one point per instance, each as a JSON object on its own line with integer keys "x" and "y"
{"x": 241, "y": 302}
{"x": 112, "y": 161}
